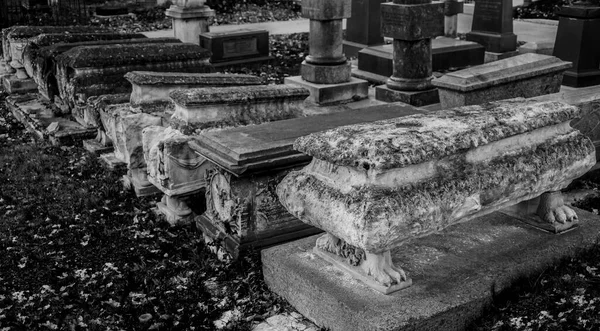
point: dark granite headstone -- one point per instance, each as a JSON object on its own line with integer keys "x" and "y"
{"x": 363, "y": 29}
{"x": 492, "y": 26}
{"x": 237, "y": 47}
{"x": 578, "y": 41}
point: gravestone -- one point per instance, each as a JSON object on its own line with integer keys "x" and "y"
{"x": 412, "y": 24}
{"x": 40, "y": 53}
{"x": 451, "y": 10}
{"x": 326, "y": 72}
{"x": 239, "y": 47}
{"x": 363, "y": 27}
{"x": 82, "y": 72}
{"x": 578, "y": 41}
{"x": 248, "y": 163}
{"x": 391, "y": 184}
{"x": 493, "y": 28}
{"x": 190, "y": 19}
{"x": 526, "y": 75}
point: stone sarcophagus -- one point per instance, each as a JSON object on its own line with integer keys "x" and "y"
{"x": 218, "y": 107}
{"x": 374, "y": 186}
{"x": 247, "y": 163}
{"x": 19, "y": 36}
{"x": 94, "y": 70}
{"x": 525, "y": 76}
{"x": 150, "y": 90}
{"x": 40, "y": 52}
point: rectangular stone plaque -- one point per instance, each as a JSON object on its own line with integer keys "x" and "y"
{"x": 412, "y": 22}
{"x": 240, "y": 47}
{"x": 236, "y": 45}
{"x": 493, "y": 16}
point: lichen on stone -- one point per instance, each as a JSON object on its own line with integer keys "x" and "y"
{"x": 419, "y": 138}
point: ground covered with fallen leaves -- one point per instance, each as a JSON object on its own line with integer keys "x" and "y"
{"x": 226, "y": 12}
{"x": 80, "y": 253}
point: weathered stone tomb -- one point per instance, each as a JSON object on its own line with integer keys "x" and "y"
{"x": 95, "y": 70}
{"x": 246, "y": 164}
{"x": 374, "y": 186}
{"x": 150, "y": 90}
{"x": 526, "y": 75}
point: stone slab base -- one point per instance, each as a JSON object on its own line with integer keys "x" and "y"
{"x": 110, "y": 162}
{"x": 235, "y": 246}
{"x": 370, "y": 77}
{"x": 359, "y": 274}
{"x": 491, "y": 56}
{"x": 249, "y": 62}
{"x": 414, "y": 98}
{"x": 330, "y": 94}
{"x": 130, "y": 182}
{"x": 13, "y": 85}
{"x": 37, "y": 115}
{"x": 96, "y": 148}
{"x": 581, "y": 79}
{"x": 453, "y": 272}
{"x": 171, "y": 216}
{"x": 352, "y": 48}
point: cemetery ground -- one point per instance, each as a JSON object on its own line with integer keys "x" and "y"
{"x": 79, "y": 252}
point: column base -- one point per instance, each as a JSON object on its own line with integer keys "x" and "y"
{"x": 413, "y": 98}
{"x": 325, "y": 74}
{"x": 581, "y": 79}
{"x": 330, "y": 94}
{"x": 14, "y": 85}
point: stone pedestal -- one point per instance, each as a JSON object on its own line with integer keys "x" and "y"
{"x": 493, "y": 27}
{"x": 326, "y": 67}
{"x": 451, "y": 10}
{"x": 412, "y": 24}
{"x": 578, "y": 41}
{"x": 363, "y": 28}
{"x": 190, "y": 19}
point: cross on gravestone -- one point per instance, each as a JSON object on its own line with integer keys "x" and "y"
{"x": 492, "y": 26}
{"x": 412, "y": 24}
{"x": 363, "y": 28}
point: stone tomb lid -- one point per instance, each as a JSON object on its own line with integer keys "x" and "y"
{"x": 184, "y": 78}
{"x": 131, "y": 54}
{"x": 63, "y": 47}
{"x": 500, "y": 72}
{"x": 269, "y": 146}
{"x": 404, "y": 141}
{"x": 47, "y": 39}
{"x": 201, "y": 96}
{"x": 234, "y": 33}
{"x": 24, "y": 32}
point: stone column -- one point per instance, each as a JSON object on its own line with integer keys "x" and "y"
{"x": 578, "y": 41}
{"x": 326, "y": 71}
{"x": 412, "y": 24}
{"x": 451, "y": 10}
{"x": 190, "y": 19}
{"x": 493, "y": 28}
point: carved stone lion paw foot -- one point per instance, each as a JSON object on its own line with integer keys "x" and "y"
{"x": 328, "y": 243}
{"x": 561, "y": 215}
{"x": 553, "y": 210}
{"x": 381, "y": 268}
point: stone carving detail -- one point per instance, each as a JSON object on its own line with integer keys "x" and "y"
{"x": 221, "y": 205}
{"x": 377, "y": 185}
